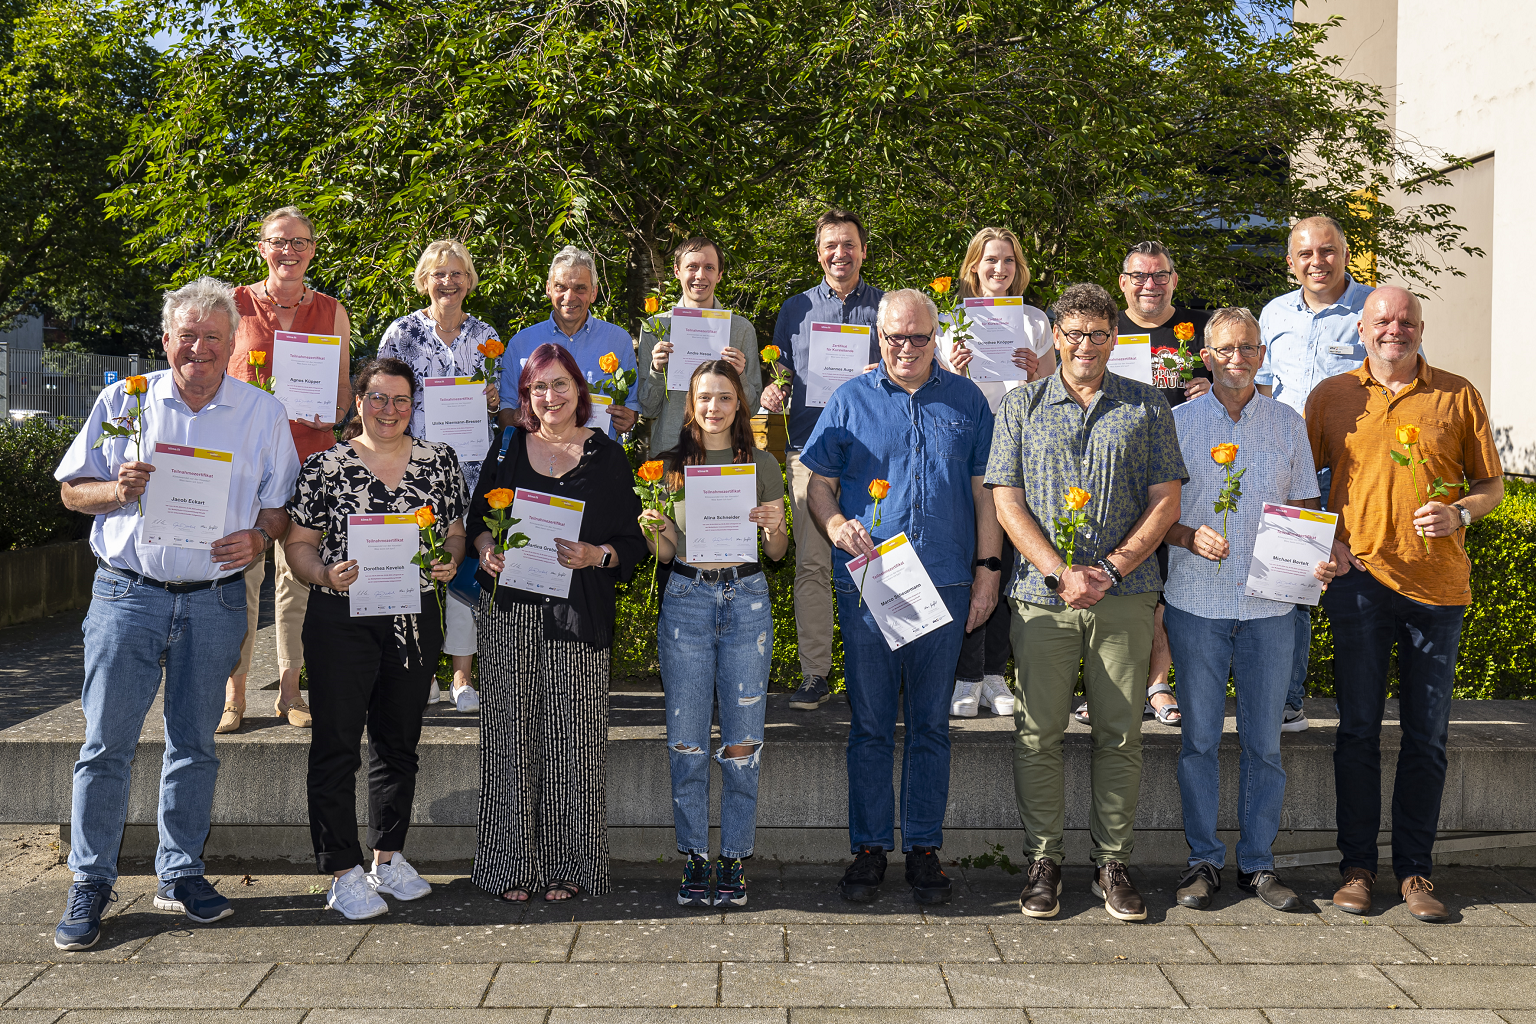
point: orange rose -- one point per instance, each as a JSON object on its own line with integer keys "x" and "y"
{"x": 609, "y": 363}
{"x": 941, "y": 285}
{"x": 1408, "y": 434}
{"x": 256, "y": 357}
{"x": 650, "y": 472}
{"x": 1224, "y": 454}
{"x": 879, "y": 489}
{"x": 501, "y": 497}
{"x": 1077, "y": 497}
{"x": 652, "y": 304}
{"x": 490, "y": 349}
{"x": 137, "y": 385}
{"x": 424, "y": 517}
{"x": 771, "y": 353}
{"x": 1184, "y": 332}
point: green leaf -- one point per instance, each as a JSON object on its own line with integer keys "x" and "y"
{"x": 1399, "y": 458}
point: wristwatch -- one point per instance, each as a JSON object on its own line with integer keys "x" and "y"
{"x": 994, "y": 563}
{"x": 607, "y": 559}
{"x": 1053, "y": 578}
{"x": 1466, "y": 517}
{"x": 266, "y": 538}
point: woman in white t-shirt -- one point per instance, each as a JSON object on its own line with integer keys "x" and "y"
{"x": 994, "y": 266}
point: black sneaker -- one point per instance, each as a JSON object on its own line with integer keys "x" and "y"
{"x": 862, "y": 879}
{"x": 693, "y": 891}
{"x": 926, "y": 875}
{"x": 812, "y": 693}
{"x": 730, "y": 882}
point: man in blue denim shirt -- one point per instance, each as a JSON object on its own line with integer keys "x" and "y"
{"x": 928, "y": 432}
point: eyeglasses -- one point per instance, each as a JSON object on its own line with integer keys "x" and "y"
{"x": 1225, "y": 354}
{"x": 1078, "y": 337}
{"x": 559, "y": 387}
{"x": 1157, "y": 276}
{"x": 296, "y": 244}
{"x": 915, "y": 340}
{"x": 444, "y": 276}
{"x": 379, "y": 400}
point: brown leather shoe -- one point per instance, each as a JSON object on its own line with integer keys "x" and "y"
{"x": 1041, "y": 897}
{"x": 1113, "y": 885}
{"x": 1416, "y": 893}
{"x": 1354, "y": 896}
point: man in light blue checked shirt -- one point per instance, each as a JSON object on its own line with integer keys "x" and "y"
{"x": 1214, "y": 628}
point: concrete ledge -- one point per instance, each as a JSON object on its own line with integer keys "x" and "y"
{"x": 804, "y": 780}
{"x": 36, "y": 582}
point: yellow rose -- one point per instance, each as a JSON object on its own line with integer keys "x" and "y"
{"x": 1077, "y": 498}
{"x": 1224, "y": 454}
{"x": 1408, "y": 434}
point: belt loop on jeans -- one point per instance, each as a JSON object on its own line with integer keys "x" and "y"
{"x": 172, "y": 588}
{"x": 735, "y": 572}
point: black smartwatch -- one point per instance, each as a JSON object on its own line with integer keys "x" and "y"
{"x": 994, "y": 563}
{"x": 1053, "y": 578}
{"x": 607, "y": 559}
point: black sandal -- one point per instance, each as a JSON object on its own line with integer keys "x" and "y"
{"x": 571, "y": 889}
{"x": 504, "y": 898}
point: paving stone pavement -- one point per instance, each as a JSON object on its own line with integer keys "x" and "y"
{"x": 797, "y": 954}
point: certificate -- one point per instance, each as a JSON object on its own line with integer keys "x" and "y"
{"x": 899, "y": 592}
{"x": 601, "y": 419}
{"x": 839, "y": 352}
{"x": 388, "y": 582}
{"x": 717, "y": 501}
{"x": 305, "y": 368}
{"x": 1132, "y": 357}
{"x": 456, "y": 415}
{"x": 537, "y": 567}
{"x": 997, "y": 328}
{"x": 1290, "y": 543}
{"x": 697, "y": 336}
{"x": 187, "y": 497}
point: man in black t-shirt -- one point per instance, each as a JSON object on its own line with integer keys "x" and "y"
{"x": 1147, "y": 279}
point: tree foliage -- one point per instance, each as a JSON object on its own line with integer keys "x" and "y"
{"x": 625, "y": 126}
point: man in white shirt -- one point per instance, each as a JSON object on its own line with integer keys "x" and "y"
{"x": 185, "y": 604}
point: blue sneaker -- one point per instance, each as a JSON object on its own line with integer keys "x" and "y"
{"x": 80, "y": 926}
{"x": 730, "y": 882}
{"x": 693, "y": 891}
{"x": 193, "y": 896}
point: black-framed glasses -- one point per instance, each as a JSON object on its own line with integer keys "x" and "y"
{"x": 1226, "y": 354}
{"x": 296, "y": 244}
{"x": 379, "y": 400}
{"x": 1078, "y": 337}
{"x": 915, "y": 340}
{"x": 559, "y": 387}
{"x": 1156, "y": 276}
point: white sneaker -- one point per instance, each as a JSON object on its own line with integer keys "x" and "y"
{"x": 435, "y": 694}
{"x": 966, "y": 699}
{"x": 395, "y": 877}
{"x": 351, "y": 895}
{"x": 1295, "y": 720}
{"x": 996, "y": 695}
{"x": 466, "y": 699}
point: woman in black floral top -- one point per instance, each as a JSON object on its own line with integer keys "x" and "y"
{"x": 371, "y": 670}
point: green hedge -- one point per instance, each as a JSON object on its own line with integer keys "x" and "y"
{"x": 31, "y": 513}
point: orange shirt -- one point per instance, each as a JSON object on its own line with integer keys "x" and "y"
{"x": 258, "y": 323}
{"x": 1352, "y": 422}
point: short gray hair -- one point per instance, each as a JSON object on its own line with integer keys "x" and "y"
{"x": 1229, "y": 317}
{"x": 1086, "y": 300}
{"x": 202, "y": 298}
{"x": 571, "y": 256}
{"x": 904, "y": 295}
{"x": 1147, "y": 249}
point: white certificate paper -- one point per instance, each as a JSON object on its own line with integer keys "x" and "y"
{"x": 697, "y": 336}
{"x": 188, "y": 496}
{"x": 601, "y": 419}
{"x": 717, "y": 501}
{"x": 1290, "y": 543}
{"x": 388, "y": 582}
{"x": 305, "y": 368}
{"x": 537, "y": 567}
{"x": 457, "y": 416}
{"x": 899, "y": 592}
{"x": 839, "y": 352}
{"x": 1132, "y": 357}
{"x": 997, "y": 328}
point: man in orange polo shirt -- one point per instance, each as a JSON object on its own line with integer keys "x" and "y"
{"x": 1403, "y": 577}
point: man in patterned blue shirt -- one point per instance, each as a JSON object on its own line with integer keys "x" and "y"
{"x": 1086, "y": 428}
{"x": 1214, "y": 628}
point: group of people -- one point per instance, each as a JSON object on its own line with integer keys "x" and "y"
{"x": 978, "y": 477}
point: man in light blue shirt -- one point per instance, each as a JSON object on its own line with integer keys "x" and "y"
{"x": 1214, "y": 628}
{"x": 1309, "y": 335}
{"x": 571, "y": 287}
{"x": 154, "y": 601}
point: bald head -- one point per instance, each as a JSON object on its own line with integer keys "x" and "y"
{"x": 1318, "y": 257}
{"x": 1391, "y": 298}
{"x": 1391, "y": 328}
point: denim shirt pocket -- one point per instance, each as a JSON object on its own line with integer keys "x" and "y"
{"x": 952, "y": 439}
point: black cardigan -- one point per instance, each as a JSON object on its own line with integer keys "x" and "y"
{"x": 603, "y": 479}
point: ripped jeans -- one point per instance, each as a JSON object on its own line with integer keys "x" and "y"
{"x": 716, "y": 643}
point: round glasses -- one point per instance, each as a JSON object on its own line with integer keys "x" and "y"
{"x": 379, "y": 400}
{"x": 296, "y": 244}
{"x": 559, "y": 387}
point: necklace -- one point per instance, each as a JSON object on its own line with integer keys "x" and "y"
{"x": 564, "y": 446}
{"x": 302, "y": 295}
{"x": 463, "y": 316}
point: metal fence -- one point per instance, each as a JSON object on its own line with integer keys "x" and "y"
{"x": 62, "y": 384}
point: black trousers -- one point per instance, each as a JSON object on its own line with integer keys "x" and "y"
{"x": 375, "y": 672}
{"x": 984, "y": 651}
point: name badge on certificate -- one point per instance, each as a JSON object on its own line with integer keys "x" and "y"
{"x": 717, "y": 502}
{"x": 1290, "y": 543}
{"x": 305, "y": 368}
{"x": 456, "y": 415}
{"x": 1132, "y": 357}
{"x": 697, "y": 336}
{"x": 388, "y": 582}
{"x": 536, "y": 566}
{"x": 839, "y": 353}
{"x": 187, "y": 497}
{"x": 997, "y": 328}
{"x": 899, "y": 592}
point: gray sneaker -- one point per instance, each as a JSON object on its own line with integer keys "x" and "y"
{"x": 1295, "y": 720}
{"x": 812, "y": 693}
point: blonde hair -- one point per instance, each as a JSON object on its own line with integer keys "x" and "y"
{"x": 970, "y": 281}
{"x": 287, "y": 213}
{"x": 435, "y": 255}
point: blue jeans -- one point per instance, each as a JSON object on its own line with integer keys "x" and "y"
{"x": 716, "y": 643}
{"x": 1257, "y": 653}
{"x": 875, "y": 675}
{"x": 1303, "y": 624}
{"x": 1367, "y": 618}
{"x": 128, "y": 628}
